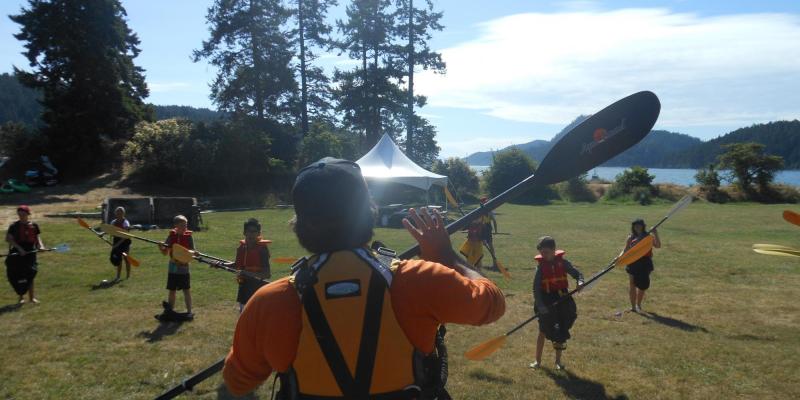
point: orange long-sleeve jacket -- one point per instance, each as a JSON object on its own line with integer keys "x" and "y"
{"x": 424, "y": 295}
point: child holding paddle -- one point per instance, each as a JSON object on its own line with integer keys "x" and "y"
{"x": 557, "y": 312}
{"x": 253, "y": 256}
{"x": 120, "y": 246}
{"x": 178, "y": 277}
{"x": 639, "y": 271}
{"x": 23, "y": 239}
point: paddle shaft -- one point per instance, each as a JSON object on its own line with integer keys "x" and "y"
{"x": 28, "y": 252}
{"x": 188, "y": 384}
{"x": 490, "y": 205}
{"x": 221, "y": 264}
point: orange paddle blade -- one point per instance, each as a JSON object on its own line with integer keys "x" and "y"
{"x": 636, "y": 252}
{"x": 485, "y": 349}
{"x": 284, "y": 260}
{"x": 503, "y": 270}
{"x": 132, "y": 260}
{"x": 83, "y": 223}
{"x": 791, "y": 217}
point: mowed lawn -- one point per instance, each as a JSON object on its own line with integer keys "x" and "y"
{"x": 722, "y": 322}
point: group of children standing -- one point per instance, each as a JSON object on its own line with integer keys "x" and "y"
{"x": 557, "y": 310}
{"x": 252, "y": 255}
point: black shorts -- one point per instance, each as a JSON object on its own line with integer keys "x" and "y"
{"x": 640, "y": 271}
{"x": 486, "y": 233}
{"x": 559, "y": 319}
{"x": 20, "y": 271}
{"x": 178, "y": 282}
{"x": 116, "y": 253}
{"x": 247, "y": 289}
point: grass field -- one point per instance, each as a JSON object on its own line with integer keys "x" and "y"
{"x": 722, "y": 322}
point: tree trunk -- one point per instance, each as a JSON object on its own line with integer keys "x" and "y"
{"x": 410, "y": 122}
{"x": 303, "y": 87}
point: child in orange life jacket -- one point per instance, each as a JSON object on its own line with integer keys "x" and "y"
{"x": 120, "y": 246}
{"x": 253, "y": 256}
{"x": 639, "y": 271}
{"x": 178, "y": 276}
{"x": 556, "y": 312}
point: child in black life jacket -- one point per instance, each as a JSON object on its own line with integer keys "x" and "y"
{"x": 21, "y": 266}
{"x": 252, "y": 256}
{"x": 557, "y": 312}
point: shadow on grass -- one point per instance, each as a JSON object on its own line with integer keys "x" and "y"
{"x": 10, "y": 308}
{"x": 748, "y": 337}
{"x": 576, "y": 387}
{"x": 483, "y": 375}
{"x": 224, "y": 394}
{"x": 673, "y": 323}
{"x": 105, "y": 284}
{"x": 163, "y": 329}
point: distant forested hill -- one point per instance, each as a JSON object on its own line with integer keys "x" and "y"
{"x": 20, "y": 104}
{"x": 663, "y": 149}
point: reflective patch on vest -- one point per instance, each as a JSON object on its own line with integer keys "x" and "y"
{"x": 379, "y": 267}
{"x": 349, "y": 288}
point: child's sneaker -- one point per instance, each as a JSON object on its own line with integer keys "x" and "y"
{"x": 560, "y": 366}
{"x": 534, "y": 365}
{"x": 638, "y": 309}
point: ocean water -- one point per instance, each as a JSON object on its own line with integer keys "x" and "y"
{"x": 672, "y": 175}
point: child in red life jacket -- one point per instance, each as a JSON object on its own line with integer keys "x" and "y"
{"x": 120, "y": 246}
{"x": 178, "y": 276}
{"x": 557, "y": 312}
{"x": 639, "y": 271}
{"x": 253, "y": 256}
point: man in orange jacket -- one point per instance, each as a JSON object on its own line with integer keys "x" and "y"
{"x": 349, "y": 322}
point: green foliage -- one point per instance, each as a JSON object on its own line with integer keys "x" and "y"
{"x": 509, "y": 168}
{"x": 251, "y": 49}
{"x": 312, "y": 31}
{"x": 81, "y": 55}
{"x": 750, "y": 167}
{"x": 709, "y": 180}
{"x": 635, "y": 183}
{"x": 423, "y": 150}
{"x": 463, "y": 178}
{"x": 219, "y": 156}
{"x": 186, "y": 112}
{"x": 318, "y": 144}
{"x": 576, "y": 190}
{"x": 20, "y": 143}
{"x": 19, "y": 103}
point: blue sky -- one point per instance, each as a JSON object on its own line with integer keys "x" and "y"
{"x": 521, "y": 70}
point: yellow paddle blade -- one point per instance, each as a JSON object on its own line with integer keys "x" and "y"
{"x": 784, "y": 253}
{"x": 83, "y": 223}
{"x": 450, "y": 198}
{"x": 114, "y": 231}
{"x": 181, "y": 254}
{"x": 636, "y": 252}
{"x": 485, "y": 349}
{"x": 791, "y": 217}
{"x": 503, "y": 270}
{"x": 283, "y": 260}
{"x": 765, "y": 246}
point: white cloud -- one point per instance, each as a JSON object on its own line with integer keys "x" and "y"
{"x": 548, "y": 68}
{"x": 164, "y": 87}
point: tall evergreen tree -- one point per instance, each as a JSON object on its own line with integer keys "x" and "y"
{"x": 81, "y": 55}
{"x": 312, "y": 31}
{"x": 253, "y": 53}
{"x": 414, "y": 31}
{"x": 366, "y": 94}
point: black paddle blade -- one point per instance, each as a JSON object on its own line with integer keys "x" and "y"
{"x": 599, "y": 138}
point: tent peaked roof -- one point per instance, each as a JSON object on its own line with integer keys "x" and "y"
{"x": 386, "y": 161}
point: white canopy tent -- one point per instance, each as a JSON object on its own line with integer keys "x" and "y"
{"x": 387, "y": 163}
